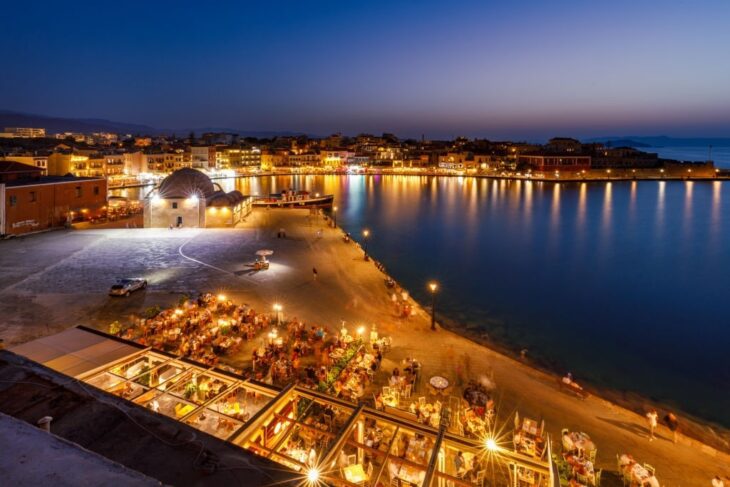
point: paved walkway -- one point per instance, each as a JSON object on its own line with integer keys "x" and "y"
{"x": 62, "y": 289}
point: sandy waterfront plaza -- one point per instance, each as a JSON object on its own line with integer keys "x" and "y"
{"x": 53, "y": 281}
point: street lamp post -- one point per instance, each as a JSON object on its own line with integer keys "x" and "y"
{"x": 334, "y": 215}
{"x": 366, "y": 234}
{"x": 433, "y": 287}
{"x": 277, "y": 308}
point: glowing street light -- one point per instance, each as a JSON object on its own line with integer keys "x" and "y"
{"x": 221, "y": 298}
{"x": 277, "y": 309}
{"x": 491, "y": 445}
{"x": 366, "y": 234}
{"x": 433, "y": 287}
{"x": 313, "y": 475}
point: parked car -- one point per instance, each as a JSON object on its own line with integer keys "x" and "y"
{"x": 125, "y": 287}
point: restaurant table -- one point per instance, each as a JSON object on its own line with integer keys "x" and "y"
{"x": 439, "y": 383}
{"x": 406, "y": 472}
{"x": 582, "y": 466}
{"x": 355, "y": 474}
{"x": 575, "y": 440}
{"x": 391, "y": 401}
{"x": 637, "y": 472}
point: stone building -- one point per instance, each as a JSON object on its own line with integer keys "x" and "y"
{"x": 188, "y": 198}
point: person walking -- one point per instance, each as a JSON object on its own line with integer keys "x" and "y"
{"x": 651, "y": 417}
{"x": 314, "y": 273}
{"x": 673, "y": 424}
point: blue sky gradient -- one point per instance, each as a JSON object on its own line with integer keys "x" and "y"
{"x": 519, "y": 69}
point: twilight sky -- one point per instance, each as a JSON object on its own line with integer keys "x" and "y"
{"x": 517, "y": 69}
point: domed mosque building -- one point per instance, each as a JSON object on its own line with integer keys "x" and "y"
{"x": 188, "y": 198}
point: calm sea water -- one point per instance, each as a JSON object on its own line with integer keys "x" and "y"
{"x": 625, "y": 284}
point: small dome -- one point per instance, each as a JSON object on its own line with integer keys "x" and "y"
{"x": 219, "y": 198}
{"x": 186, "y": 182}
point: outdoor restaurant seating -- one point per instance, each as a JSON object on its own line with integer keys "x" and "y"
{"x": 529, "y": 438}
{"x": 635, "y": 474}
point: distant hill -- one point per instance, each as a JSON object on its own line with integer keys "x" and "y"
{"x": 662, "y": 141}
{"x": 87, "y": 125}
{"x": 625, "y": 143}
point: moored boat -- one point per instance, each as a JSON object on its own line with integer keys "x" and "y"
{"x": 294, "y": 199}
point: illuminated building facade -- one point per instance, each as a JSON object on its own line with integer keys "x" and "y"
{"x": 188, "y": 198}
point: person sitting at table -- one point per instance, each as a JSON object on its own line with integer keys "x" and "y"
{"x": 342, "y": 459}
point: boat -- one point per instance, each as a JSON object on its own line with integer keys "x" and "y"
{"x": 294, "y": 199}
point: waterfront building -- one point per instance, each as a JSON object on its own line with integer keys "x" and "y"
{"x": 67, "y": 162}
{"x": 166, "y": 162}
{"x": 40, "y": 162}
{"x": 623, "y": 157}
{"x": 238, "y": 157}
{"x": 203, "y": 157}
{"x": 271, "y": 159}
{"x": 31, "y": 202}
{"x": 461, "y": 161}
{"x": 335, "y": 157}
{"x": 306, "y": 159}
{"x": 134, "y": 163}
{"x": 188, "y": 198}
{"x": 564, "y": 145}
{"x": 101, "y": 165}
{"x": 555, "y": 162}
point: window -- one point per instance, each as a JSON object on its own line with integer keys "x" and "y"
{"x": 78, "y": 191}
{"x": 96, "y": 190}
{"x": 174, "y": 206}
{"x": 13, "y": 201}
{"x": 32, "y": 196}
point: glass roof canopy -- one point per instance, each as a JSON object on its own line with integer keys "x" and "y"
{"x": 345, "y": 444}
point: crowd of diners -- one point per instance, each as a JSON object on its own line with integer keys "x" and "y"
{"x": 201, "y": 329}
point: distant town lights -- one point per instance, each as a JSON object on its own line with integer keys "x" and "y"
{"x": 193, "y": 198}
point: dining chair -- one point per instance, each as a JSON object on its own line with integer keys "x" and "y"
{"x": 597, "y": 477}
{"x": 351, "y": 460}
{"x": 592, "y": 455}
{"x": 583, "y": 479}
{"x": 480, "y": 477}
{"x": 369, "y": 471}
{"x": 386, "y": 391}
{"x": 422, "y": 401}
{"x": 407, "y": 391}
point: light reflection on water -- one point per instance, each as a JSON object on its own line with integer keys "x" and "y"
{"x": 623, "y": 283}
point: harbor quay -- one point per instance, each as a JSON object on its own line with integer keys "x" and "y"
{"x": 60, "y": 279}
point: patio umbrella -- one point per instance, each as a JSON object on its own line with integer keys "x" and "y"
{"x": 264, "y": 252}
